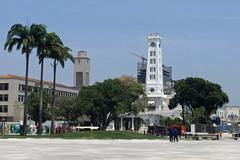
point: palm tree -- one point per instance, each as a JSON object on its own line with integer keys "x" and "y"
{"x": 55, "y": 50}
{"x": 46, "y": 46}
{"x": 49, "y": 46}
{"x": 60, "y": 57}
{"x": 24, "y": 38}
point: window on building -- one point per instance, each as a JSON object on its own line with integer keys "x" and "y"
{"x": 49, "y": 91}
{"x": 21, "y": 87}
{"x": 152, "y": 76}
{"x": 4, "y": 108}
{"x": 35, "y": 89}
{"x": 3, "y": 97}
{"x": 152, "y": 53}
{"x": 21, "y": 98}
{"x": 152, "y": 61}
{"x": 4, "y": 86}
{"x": 152, "y": 69}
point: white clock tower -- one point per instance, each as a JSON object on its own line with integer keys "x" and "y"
{"x": 154, "y": 76}
{"x": 157, "y": 101}
{"x": 154, "y": 81}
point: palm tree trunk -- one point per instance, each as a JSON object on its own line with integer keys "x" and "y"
{"x": 53, "y": 98}
{"x": 25, "y": 118}
{"x": 41, "y": 100}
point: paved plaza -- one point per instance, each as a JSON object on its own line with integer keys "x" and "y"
{"x": 59, "y": 149}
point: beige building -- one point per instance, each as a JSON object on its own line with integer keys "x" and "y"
{"x": 12, "y": 94}
{"x": 81, "y": 70}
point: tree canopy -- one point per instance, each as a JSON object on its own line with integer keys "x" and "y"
{"x": 66, "y": 108}
{"x": 103, "y": 102}
{"x": 33, "y": 104}
{"x": 193, "y": 93}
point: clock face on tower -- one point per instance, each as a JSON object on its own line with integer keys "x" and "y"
{"x": 152, "y": 89}
{"x": 153, "y": 44}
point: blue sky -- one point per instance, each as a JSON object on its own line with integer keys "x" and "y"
{"x": 200, "y": 38}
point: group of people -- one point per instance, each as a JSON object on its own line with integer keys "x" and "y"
{"x": 173, "y": 135}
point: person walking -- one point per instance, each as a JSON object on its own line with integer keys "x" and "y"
{"x": 170, "y": 135}
{"x": 175, "y": 135}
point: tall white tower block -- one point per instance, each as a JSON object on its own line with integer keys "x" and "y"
{"x": 154, "y": 76}
{"x": 81, "y": 70}
{"x": 154, "y": 81}
{"x": 157, "y": 101}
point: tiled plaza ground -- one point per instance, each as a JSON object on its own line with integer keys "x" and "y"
{"x": 59, "y": 149}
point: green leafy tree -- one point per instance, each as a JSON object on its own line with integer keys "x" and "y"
{"x": 25, "y": 39}
{"x": 167, "y": 121}
{"x": 33, "y": 104}
{"x": 198, "y": 115}
{"x": 135, "y": 95}
{"x": 192, "y": 93}
{"x": 66, "y": 109}
{"x": 214, "y": 98}
{"x": 103, "y": 102}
